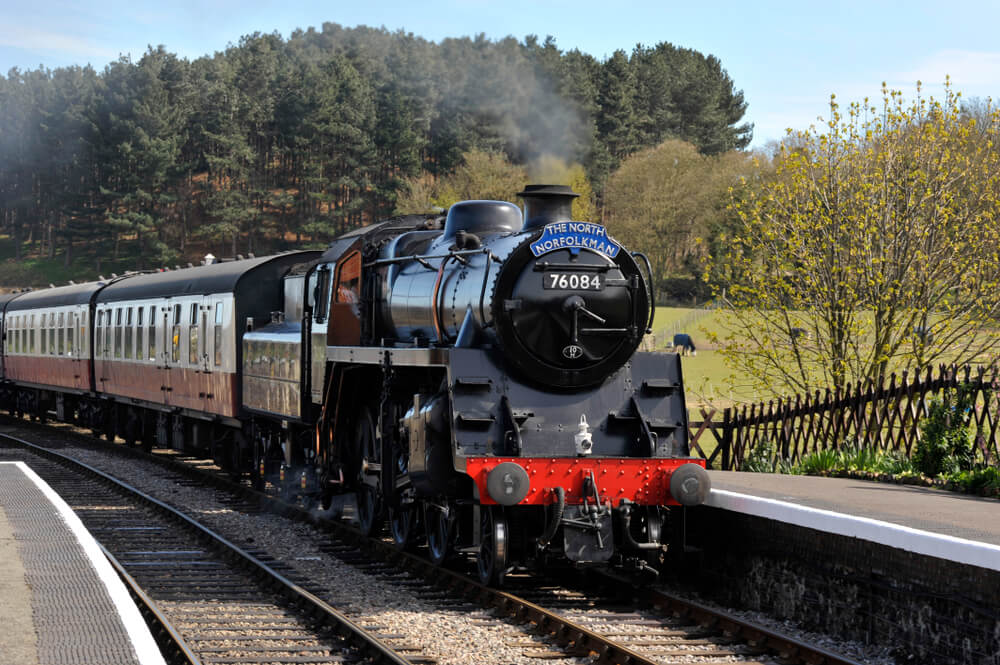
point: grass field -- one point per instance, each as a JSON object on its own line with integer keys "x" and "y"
{"x": 707, "y": 379}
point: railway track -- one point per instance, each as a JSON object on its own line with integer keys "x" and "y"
{"x": 557, "y": 620}
{"x": 212, "y": 601}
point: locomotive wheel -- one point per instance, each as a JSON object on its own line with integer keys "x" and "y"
{"x": 403, "y": 522}
{"x": 491, "y": 560}
{"x": 369, "y": 494}
{"x": 438, "y": 525}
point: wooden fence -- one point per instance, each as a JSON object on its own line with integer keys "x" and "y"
{"x": 885, "y": 416}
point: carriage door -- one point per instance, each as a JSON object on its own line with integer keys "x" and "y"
{"x": 205, "y": 355}
{"x": 171, "y": 349}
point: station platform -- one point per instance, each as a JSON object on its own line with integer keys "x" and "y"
{"x": 926, "y": 521}
{"x": 62, "y": 602}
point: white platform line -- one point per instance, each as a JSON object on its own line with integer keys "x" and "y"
{"x": 938, "y": 545}
{"x": 142, "y": 640}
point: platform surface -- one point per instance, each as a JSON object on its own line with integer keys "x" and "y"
{"x": 61, "y": 602}
{"x": 931, "y": 521}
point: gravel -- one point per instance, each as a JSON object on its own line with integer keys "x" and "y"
{"x": 450, "y": 634}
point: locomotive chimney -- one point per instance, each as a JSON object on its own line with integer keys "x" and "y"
{"x": 545, "y": 204}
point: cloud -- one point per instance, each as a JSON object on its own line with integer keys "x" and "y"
{"x": 41, "y": 41}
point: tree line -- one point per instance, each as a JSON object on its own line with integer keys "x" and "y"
{"x": 280, "y": 142}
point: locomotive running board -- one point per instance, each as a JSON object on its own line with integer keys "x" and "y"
{"x": 376, "y": 355}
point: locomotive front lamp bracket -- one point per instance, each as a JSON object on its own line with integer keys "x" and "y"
{"x": 583, "y": 439}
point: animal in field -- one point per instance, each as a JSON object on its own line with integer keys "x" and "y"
{"x": 686, "y": 344}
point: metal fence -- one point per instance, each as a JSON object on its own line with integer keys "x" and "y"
{"x": 885, "y": 416}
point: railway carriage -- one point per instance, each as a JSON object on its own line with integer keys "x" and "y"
{"x": 4, "y": 299}
{"x": 47, "y": 351}
{"x": 168, "y": 352}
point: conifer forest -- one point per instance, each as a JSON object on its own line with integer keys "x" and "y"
{"x": 278, "y": 143}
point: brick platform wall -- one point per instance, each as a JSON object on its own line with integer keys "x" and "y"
{"x": 930, "y": 610}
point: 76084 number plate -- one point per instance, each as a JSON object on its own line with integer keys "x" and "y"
{"x": 573, "y": 281}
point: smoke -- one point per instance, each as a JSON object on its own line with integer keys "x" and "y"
{"x": 521, "y": 102}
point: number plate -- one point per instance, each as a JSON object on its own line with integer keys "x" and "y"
{"x": 573, "y": 281}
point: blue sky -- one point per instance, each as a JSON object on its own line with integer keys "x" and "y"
{"x": 787, "y": 57}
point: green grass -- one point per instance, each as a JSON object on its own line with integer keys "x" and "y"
{"x": 707, "y": 379}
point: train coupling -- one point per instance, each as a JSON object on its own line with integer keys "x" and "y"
{"x": 588, "y": 531}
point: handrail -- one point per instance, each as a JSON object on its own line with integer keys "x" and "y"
{"x": 652, "y": 293}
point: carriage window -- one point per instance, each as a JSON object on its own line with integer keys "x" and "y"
{"x": 128, "y": 332}
{"x": 193, "y": 335}
{"x": 61, "y": 345}
{"x": 83, "y": 332}
{"x": 218, "y": 334}
{"x": 69, "y": 333}
{"x": 175, "y": 350}
{"x": 139, "y": 311}
{"x": 118, "y": 332}
{"x": 99, "y": 331}
{"x": 107, "y": 333}
{"x": 151, "y": 333}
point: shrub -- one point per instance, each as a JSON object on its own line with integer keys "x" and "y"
{"x": 858, "y": 458}
{"x": 945, "y": 445}
{"x": 765, "y": 458}
{"x": 821, "y": 461}
{"x": 979, "y": 481}
{"x": 760, "y": 459}
{"x": 894, "y": 462}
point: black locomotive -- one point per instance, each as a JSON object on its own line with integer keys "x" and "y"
{"x": 471, "y": 378}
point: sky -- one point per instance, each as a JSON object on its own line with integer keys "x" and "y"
{"x": 786, "y": 57}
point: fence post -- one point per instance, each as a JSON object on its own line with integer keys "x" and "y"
{"x": 727, "y": 439}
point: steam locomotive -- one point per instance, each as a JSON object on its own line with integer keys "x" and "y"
{"x": 471, "y": 378}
